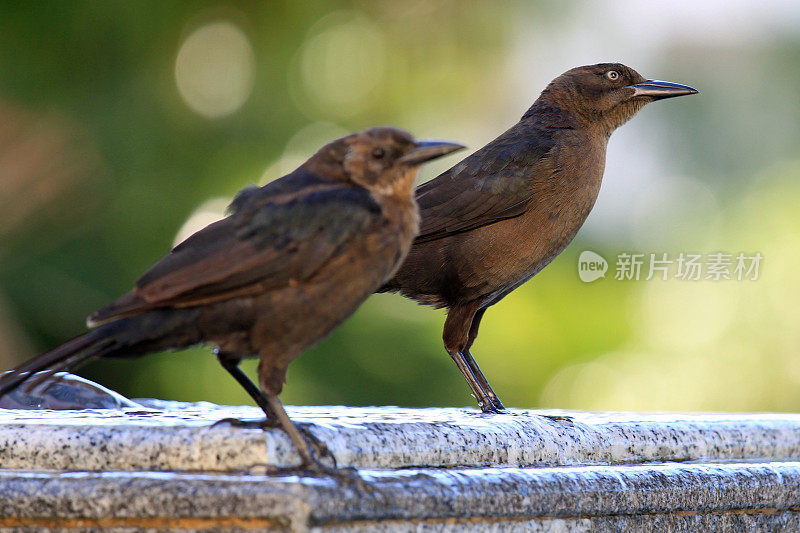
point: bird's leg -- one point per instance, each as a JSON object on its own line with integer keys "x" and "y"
{"x": 473, "y": 365}
{"x": 309, "y": 460}
{"x": 231, "y": 364}
{"x": 262, "y": 400}
{"x": 484, "y": 383}
{"x": 457, "y": 327}
{"x": 347, "y": 476}
{"x": 484, "y": 402}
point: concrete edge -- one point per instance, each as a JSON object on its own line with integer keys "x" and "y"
{"x": 184, "y": 438}
{"x": 127, "y": 499}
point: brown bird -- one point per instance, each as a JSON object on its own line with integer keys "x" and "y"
{"x": 291, "y": 261}
{"x": 498, "y": 217}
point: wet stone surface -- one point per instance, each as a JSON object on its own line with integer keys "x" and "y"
{"x": 175, "y": 436}
{"x": 165, "y": 465}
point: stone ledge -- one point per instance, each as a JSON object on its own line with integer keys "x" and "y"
{"x": 181, "y": 437}
{"x": 566, "y": 498}
{"x": 166, "y": 467}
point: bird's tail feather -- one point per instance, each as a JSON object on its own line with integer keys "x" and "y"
{"x": 68, "y": 356}
{"x": 127, "y": 337}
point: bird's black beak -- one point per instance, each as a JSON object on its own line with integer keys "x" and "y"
{"x": 658, "y": 89}
{"x": 425, "y": 150}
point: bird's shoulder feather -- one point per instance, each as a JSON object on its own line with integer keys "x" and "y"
{"x": 275, "y": 235}
{"x": 490, "y": 185}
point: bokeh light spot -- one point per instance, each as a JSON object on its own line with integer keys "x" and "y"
{"x": 342, "y": 64}
{"x": 214, "y": 69}
{"x": 209, "y": 212}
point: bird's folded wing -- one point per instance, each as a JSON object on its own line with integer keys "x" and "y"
{"x": 252, "y": 251}
{"x": 492, "y": 184}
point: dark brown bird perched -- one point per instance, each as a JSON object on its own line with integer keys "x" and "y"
{"x": 291, "y": 261}
{"x": 498, "y": 217}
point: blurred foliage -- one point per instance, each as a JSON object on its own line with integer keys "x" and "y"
{"x": 125, "y": 124}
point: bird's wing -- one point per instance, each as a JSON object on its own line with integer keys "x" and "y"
{"x": 492, "y": 184}
{"x": 269, "y": 241}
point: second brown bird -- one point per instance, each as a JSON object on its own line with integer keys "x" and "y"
{"x": 498, "y": 217}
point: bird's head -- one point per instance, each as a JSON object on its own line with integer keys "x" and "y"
{"x": 384, "y": 160}
{"x": 607, "y": 94}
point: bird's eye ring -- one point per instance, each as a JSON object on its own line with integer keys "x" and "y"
{"x": 378, "y": 153}
{"x": 612, "y": 75}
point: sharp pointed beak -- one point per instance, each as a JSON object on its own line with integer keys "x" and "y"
{"x": 658, "y": 89}
{"x": 426, "y": 150}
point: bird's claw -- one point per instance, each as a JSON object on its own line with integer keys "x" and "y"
{"x": 497, "y": 403}
{"x": 490, "y": 408}
{"x": 347, "y": 476}
{"x": 265, "y": 423}
{"x": 567, "y": 420}
{"x": 491, "y": 405}
{"x": 320, "y": 448}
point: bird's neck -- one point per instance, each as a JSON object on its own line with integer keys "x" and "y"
{"x": 544, "y": 113}
{"x": 325, "y": 168}
{"x": 553, "y": 110}
{"x": 400, "y": 188}
{"x": 399, "y": 204}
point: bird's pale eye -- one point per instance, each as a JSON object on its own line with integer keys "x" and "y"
{"x": 378, "y": 153}
{"x": 613, "y": 75}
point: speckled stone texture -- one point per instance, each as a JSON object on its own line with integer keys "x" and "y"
{"x": 165, "y": 467}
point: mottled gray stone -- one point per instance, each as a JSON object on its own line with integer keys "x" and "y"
{"x": 676, "y": 496}
{"x": 182, "y": 437}
{"x": 166, "y": 466}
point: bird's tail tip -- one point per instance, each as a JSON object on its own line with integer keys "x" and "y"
{"x": 68, "y": 356}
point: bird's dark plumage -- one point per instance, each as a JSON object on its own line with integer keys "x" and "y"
{"x": 451, "y": 208}
{"x": 277, "y": 241}
{"x": 498, "y": 217}
{"x": 290, "y": 262}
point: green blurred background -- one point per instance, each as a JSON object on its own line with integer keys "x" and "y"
{"x": 125, "y": 126}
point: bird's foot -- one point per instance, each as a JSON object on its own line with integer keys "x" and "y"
{"x": 346, "y": 476}
{"x": 492, "y": 409}
{"x": 491, "y": 405}
{"x": 264, "y": 423}
{"x": 320, "y": 449}
{"x": 495, "y": 405}
{"x": 496, "y": 401}
{"x": 566, "y": 420}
